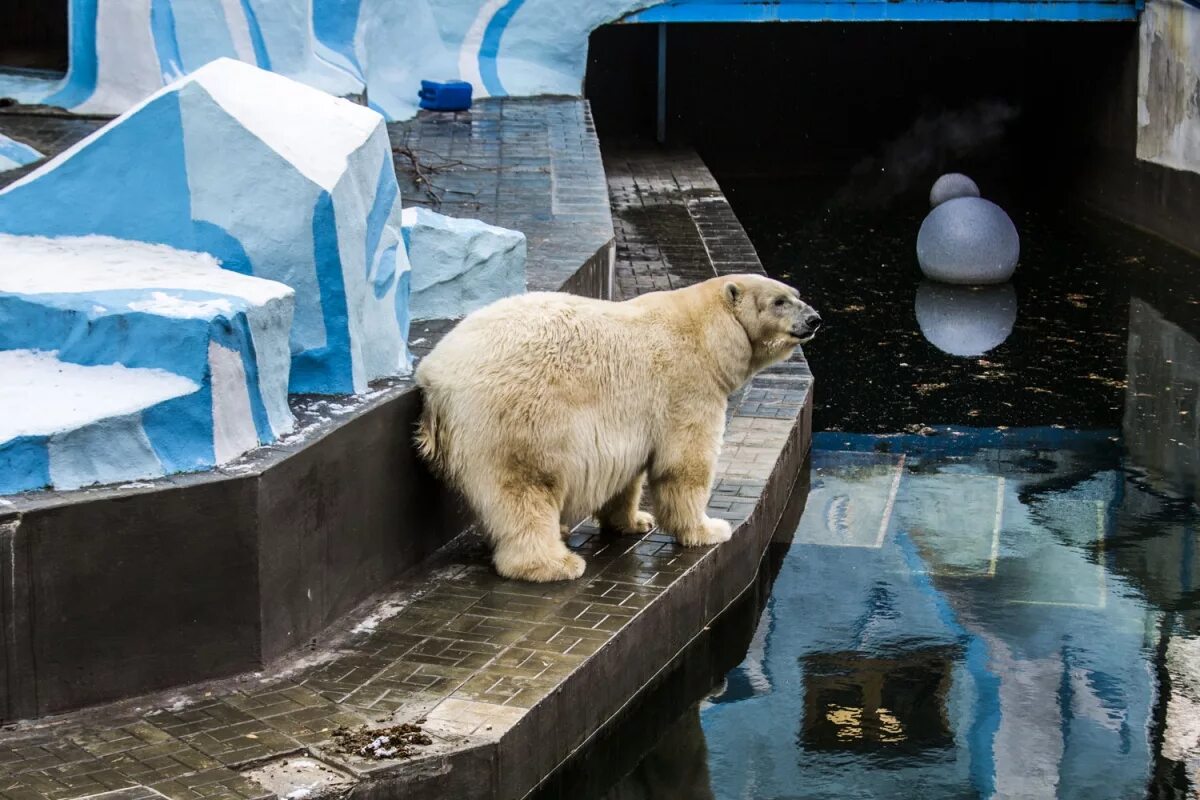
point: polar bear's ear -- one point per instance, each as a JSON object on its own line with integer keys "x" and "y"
{"x": 733, "y": 293}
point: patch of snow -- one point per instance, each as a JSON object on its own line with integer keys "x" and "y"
{"x": 168, "y": 305}
{"x": 322, "y": 153}
{"x": 42, "y": 395}
{"x": 77, "y": 264}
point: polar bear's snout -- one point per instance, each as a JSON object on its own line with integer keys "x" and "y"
{"x": 806, "y": 328}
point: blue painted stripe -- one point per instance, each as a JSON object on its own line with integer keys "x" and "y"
{"x": 256, "y": 37}
{"x": 961, "y": 441}
{"x": 386, "y": 192}
{"x": 327, "y": 369}
{"x": 235, "y": 334}
{"x": 80, "y": 82}
{"x": 180, "y": 431}
{"x": 162, "y": 27}
{"x": 886, "y": 11}
{"x": 18, "y": 152}
{"x": 146, "y": 151}
{"x": 403, "y": 292}
{"x": 335, "y": 23}
{"x": 24, "y": 464}
{"x": 489, "y": 48}
{"x": 385, "y": 275}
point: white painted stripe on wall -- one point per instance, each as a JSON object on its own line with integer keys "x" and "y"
{"x": 468, "y": 53}
{"x": 233, "y": 422}
{"x": 239, "y": 31}
{"x": 127, "y": 66}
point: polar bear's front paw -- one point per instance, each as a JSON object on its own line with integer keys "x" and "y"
{"x": 568, "y": 567}
{"x": 711, "y": 531}
{"x": 642, "y": 522}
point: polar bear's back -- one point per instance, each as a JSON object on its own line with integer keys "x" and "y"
{"x": 539, "y": 338}
{"x": 563, "y": 384}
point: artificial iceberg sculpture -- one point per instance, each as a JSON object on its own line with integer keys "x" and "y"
{"x": 273, "y": 178}
{"x": 459, "y": 265}
{"x": 168, "y": 282}
{"x": 124, "y": 360}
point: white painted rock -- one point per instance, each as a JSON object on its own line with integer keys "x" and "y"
{"x": 459, "y": 265}
{"x": 968, "y": 240}
{"x": 209, "y": 346}
{"x": 273, "y": 178}
{"x": 950, "y": 186}
{"x": 966, "y": 320}
{"x": 15, "y": 154}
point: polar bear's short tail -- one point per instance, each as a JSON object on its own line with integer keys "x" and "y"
{"x": 429, "y": 433}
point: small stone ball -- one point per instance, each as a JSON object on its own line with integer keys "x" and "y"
{"x": 950, "y": 186}
{"x": 968, "y": 240}
{"x": 965, "y": 320}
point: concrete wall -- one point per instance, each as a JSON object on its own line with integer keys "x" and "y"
{"x": 1144, "y": 149}
{"x": 1168, "y": 120}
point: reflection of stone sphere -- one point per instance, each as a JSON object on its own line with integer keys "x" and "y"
{"x": 965, "y": 320}
{"x": 968, "y": 240}
{"x": 950, "y": 186}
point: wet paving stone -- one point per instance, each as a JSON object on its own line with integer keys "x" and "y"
{"x": 471, "y": 657}
{"x": 530, "y": 165}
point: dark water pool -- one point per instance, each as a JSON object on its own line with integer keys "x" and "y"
{"x": 993, "y": 589}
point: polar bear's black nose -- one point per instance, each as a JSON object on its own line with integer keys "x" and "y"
{"x": 812, "y": 322}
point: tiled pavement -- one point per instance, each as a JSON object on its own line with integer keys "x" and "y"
{"x": 508, "y": 678}
{"x": 528, "y": 164}
{"x": 49, "y": 135}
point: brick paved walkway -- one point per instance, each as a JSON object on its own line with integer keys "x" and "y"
{"x": 508, "y": 679}
{"x": 528, "y": 164}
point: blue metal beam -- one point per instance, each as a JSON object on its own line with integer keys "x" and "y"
{"x": 889, "y": 11}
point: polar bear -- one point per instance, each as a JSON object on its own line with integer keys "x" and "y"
{"x": 545, "y": 408}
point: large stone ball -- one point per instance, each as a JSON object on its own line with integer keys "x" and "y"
{"x": 968, "y": 240}
{"x": 965, "y": 320}
{"x": 950, "y": 186}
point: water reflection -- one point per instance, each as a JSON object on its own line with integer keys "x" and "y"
{"x": 1009, "y": 607}
{"x": 965, "y": 320}
{"x": 977, "y": 613}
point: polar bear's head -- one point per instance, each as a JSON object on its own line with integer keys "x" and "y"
{"x": 776, "y": 320}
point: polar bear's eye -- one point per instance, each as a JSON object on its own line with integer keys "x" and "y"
{"x": 780, "y": 301}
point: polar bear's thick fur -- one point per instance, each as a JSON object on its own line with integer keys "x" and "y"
{"x": 546, "y": 408}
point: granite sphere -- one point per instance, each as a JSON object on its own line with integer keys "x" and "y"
{"x": 968, "y": 240}
{"x": 950, "y": 186}
{"x": 965, "y": 320}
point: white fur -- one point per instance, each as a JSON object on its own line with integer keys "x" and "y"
{"x": 547, "y": 408}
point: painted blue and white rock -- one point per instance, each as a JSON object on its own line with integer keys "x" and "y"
{"x": 459, "y": 265}
{"x": 119, "y": 52}
{"x": 965, "y": 320}
{"x": 95, "y": 303}
{"x": 950, "y": 186}
{"x": 273, "y": 178}
{"x": 15, "y": 154}
{"x": 968, "y": 240}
